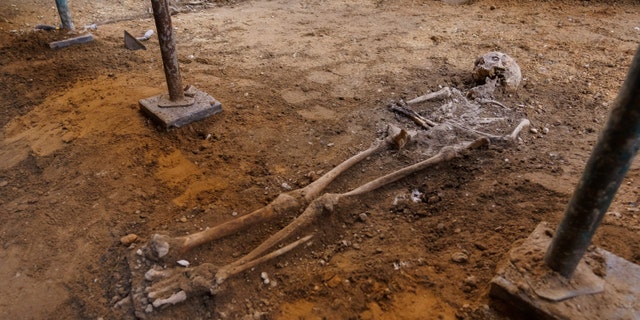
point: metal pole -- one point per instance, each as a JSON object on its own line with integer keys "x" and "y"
{"x": 65, "y": 16}
{"x": 607, "y": 166}
{"x": 168, "y": 48}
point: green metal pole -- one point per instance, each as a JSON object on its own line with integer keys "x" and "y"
{"x": 607, "y": 166}
{"x": 65, "y": 16}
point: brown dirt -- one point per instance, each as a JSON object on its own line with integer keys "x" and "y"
{"x": 304, "y": 85}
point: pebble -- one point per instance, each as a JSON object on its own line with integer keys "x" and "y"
{"x": 183, "y": 263}
{"x": 265, "y": 277}
{"x": 363, "y": 217}
{"x": 4, "y": 183}
{"x": 129, "y": 239}
{"x": 614, "y": 214}
{"x": 545, "y": 130}
{"x": 68, "y": 137}
{"x": 183, "y": 219}
{"x": 471, "y": 281}
{"x": 533, "y": 130}
{"x": 459, "y": 257}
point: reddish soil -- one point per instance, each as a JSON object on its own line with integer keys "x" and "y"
{"x": 304, "y": 85}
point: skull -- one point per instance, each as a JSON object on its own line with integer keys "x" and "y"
{"x": 497, "y": 65}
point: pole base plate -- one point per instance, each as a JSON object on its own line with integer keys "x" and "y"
{"x": 604, "y": 286}
{"x": 203, "y": 106}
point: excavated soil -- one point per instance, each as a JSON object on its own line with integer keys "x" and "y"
{"x": 304, "y": 85}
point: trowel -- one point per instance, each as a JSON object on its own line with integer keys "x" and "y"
{"x": 133, "y": 43}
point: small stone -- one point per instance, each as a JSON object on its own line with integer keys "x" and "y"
{"x": 334, "y": 282}
{"x": 128, "y": 239}
{"x": 614, "y": 214}
{"x": 471, "y": 281}
{"x": 480, "y": 246}
{"x": 183, "y": 219}
{"x": 183, "y": 263}
{"x": 4, "y": 183}
{"x": 363, "y": 217}
{"x": 545, "y": 130}
{"x": 459, "y": 257}
{"x": 68, "y": 137}
{"x": 533, "y": 130}
{"x": 378, "y": 250}
{"x": 265, "y": 277}
{"x": 433, "y": 199}
{"x": 148, "y": 309}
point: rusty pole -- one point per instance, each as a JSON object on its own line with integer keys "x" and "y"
{"x": 65, "y": 16}
{"x": 607, "y": 166}
{"x": 164, "y": 27}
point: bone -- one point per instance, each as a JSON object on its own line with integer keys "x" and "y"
{"x": 154, "y": 274}
{"x": 169, "y": 249}
{"x": 201, "y": 279}
{"x": 524, "y": 123}
{"x": 328, "y": 201}
{"x": 173, "y": 299}
{"x": 245, "y": 263}
{"x": 324, "y": 203}
{"x": 428, "y": 124}
{"x": 438, "y": 95}
{"x": 418, "y": 119}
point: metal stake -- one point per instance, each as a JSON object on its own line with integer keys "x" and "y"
{"x": 607, "y": 166}
{"x": 162, "y": 17}
{"x": 65, "y": 16}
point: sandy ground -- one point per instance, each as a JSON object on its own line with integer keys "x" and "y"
{"x": 304, "y": 85}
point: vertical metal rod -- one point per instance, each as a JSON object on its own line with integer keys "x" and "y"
{"x": 65, "y": 16}
{"x": 607, "y": 166}
{"x": 164, "y": 27}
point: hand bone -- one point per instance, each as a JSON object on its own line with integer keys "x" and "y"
{"x": 175, "y": 285}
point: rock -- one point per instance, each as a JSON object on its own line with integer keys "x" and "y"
{"x": 128, "y": 239}
{"x": 334, "y": 282}
{"x": 183, "y": 219}
{"x": 183, "y": 263}
{"x": 68, "y": 137}
{"x": 4, "y": 183}
{"x": 533, "y": 130}
{"x": 459, "y": 257}
{"x": 471, "y": 281}
{"x": 363, "y": 217}
{"x": 265, "y": 277}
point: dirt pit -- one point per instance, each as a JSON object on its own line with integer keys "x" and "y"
{"x": 304, "y": 85}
